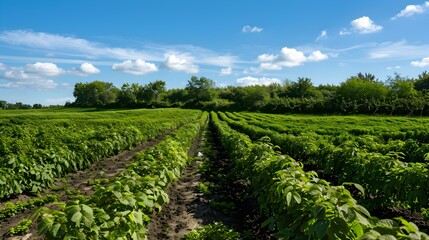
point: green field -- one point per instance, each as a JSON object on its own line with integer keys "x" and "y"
{"x": 314, "y": 177}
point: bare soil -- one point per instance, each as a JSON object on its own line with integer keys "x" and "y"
{"x": 189, "y": 209}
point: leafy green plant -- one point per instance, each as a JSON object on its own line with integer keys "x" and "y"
{"x": 204, "y": 188}
{"x": 214, "y": 231}
{"x": 425, "y": 214}
{"x": 300, "y": 204}
{"x": 11, "y": 209}
{"x": 21, "y": 228}
{"x": 120, "y": 209}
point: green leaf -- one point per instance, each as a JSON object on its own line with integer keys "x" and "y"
{"x": 297, "y": 197}
{"x": 357, "y": 228}
{"x": 54, "y": 229}
{"x": 88, "y": 215}
{"x": 288, "y": 198}
{"x": 45, "y": 225}
{"x": 138, "y": 217}
{"x": 77, "y": 218}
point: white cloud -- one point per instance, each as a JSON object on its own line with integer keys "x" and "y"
{"x": 251, "y": 81}
{"x": 138, "y": 67}
{"x": 322, "y": 35}
{"x": 317, "y": 56}
{"x": 270, "y": 66}
{"x": 423, "y": 63}
{"x": 2, "y": 67}
{"x": 248, "y": 28}
{"x": 180, "y": 63}
{"x": 365, "y": 25}
{"x": 399, "y": 50}
{"x": 345, "y": 32}
{"x": 43, "y": 69}
{"x": 288, "y": 57}
{"x": 411, "y": 10}
{"x": 59, "y": 45}
{"x": 33, "y": 71}
{"x": 30, "y": 83}
{"x": 88, "y": 68}
{"x": 31, "y": 76}
{"x": 71, "y": 45}
{"x": 16, "y": 75}
{"x": 226, "y": 71}
{"x": 252, "y": 70}
{"x": 395, "y": 67}
{"x": 266, "y": 57}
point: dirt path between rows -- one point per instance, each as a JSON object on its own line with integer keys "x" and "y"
{"x": 77, "y": 182}
{"x": 189, "y": 209}
{"x": 185, "y": 210}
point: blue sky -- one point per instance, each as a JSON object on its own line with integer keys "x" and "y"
{"x": 46, "y": 47}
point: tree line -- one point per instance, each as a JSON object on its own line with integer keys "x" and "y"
{"x": 359, "y": 94}
{"x": 18, "y": 105}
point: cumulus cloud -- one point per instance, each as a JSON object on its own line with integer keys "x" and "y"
{"x": 365, "y": 25}
{"x": 2, "y": 67}
{"x": 411, "y": 10}
{"x": 138, "y": 67}
{"x": 88, "y": 68}
{"x": 31, "y": 75}
{"x": 322, "y": 35}
{"x": 226, "y": 71}
{"x": 288, "y": 57}
{"x": 250, "y": 29}
{"x": 33, "y": 71}
{"x": 251, "y": 81}
{"x": 266, "y": 57}
{"x": 423, "y": 63}
{"x": 180, "y": 63}
{"x": 43, "y": 69}
{"x": 317, "y": 56}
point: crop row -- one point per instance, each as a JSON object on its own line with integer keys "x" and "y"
{"x": 32, "y": 156}
{"x": 397, "y": 128}
{"x": 298, "y": 204}
{"x": 387, "y": 180}
{"x": 121, "y": 208}
{"x": 409, "y": 150}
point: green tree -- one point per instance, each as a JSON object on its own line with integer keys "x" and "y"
{"x": 201, "y": 89}
{"x": 361, "y": 87}
{"x": 303, "y": 88}
{"x": 95, "y": 93}
{"x": 37, "y": 106}
{"x": 401, "y": 87}
{"x": 3, "y": 104}
{"x": 255, "y": 96}
{"x": 153, "y": 90}
{"x": 422, "y": 82}
{"x": 127, "y": 96}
